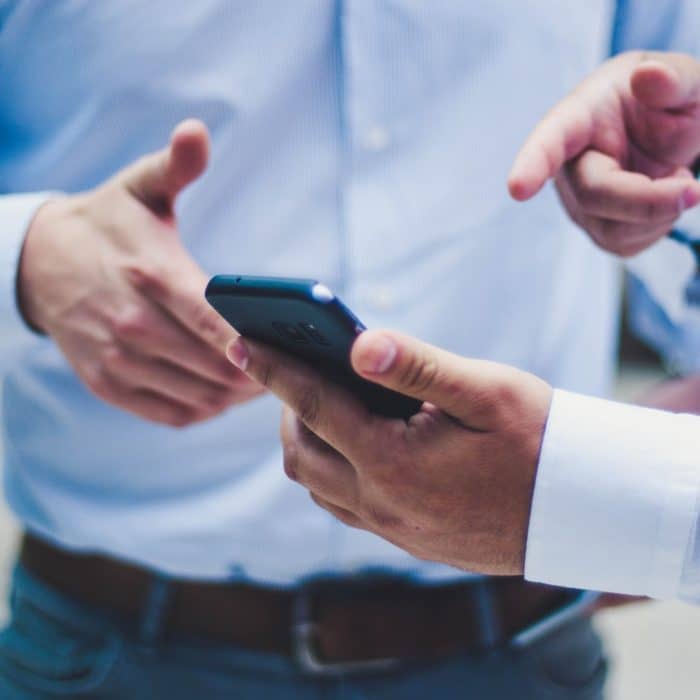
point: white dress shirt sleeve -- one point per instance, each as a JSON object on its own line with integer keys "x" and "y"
{"x": 16, "y": 213}
{"x": 615, "y": 505}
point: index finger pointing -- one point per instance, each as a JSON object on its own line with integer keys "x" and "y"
{"x": 563, "y": 133}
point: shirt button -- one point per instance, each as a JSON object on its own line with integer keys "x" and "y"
{"x": 376, "y": 139}
{"x": 383, "y": 299}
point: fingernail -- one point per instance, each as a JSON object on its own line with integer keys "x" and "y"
{"x": 690, "y": 198}
{"x": 379, "y": 356}
{"x": 238, "y": 354}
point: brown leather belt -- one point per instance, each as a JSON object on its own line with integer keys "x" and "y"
{"x": 337, "y": 622}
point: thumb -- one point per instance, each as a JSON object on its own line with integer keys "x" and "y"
{"x": 157, "y": 179}
{"x": 667, "y": 81}
{"x": 466, "y": 389}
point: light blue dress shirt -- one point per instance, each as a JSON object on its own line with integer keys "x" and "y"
{"x": 363, "y": 143}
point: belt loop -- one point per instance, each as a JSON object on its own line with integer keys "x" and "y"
{"x": 487, "y": 618}
{"x": 155, "y": 609}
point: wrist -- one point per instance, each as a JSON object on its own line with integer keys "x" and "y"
{"x": 534, "y": 440}
{"x": 28, "y": 286}
{"x": 519, "y": 448}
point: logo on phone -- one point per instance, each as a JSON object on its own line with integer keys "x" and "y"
{"x": 301, "y": 333}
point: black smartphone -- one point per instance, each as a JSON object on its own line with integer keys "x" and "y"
{"x": 305, "y": 319}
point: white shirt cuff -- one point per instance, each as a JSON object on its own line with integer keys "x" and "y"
{"x": 16, "y": 214}
{"x": 615, "y": 503}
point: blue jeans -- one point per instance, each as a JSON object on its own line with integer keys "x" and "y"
{"x": 54, "y": 647}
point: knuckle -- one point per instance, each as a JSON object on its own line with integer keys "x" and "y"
{"x": 579, "y": 122}
{"x": 485, "y": 407}
{"x": 586, "y": 194}
{"x": 597, "y": 240}
{"x": 454, "y": 389}
{"x": 148, "y": 278}
{"x": 612, "y": 237}
{"x": 506, "y": 393}
{"x": 214, "y": 399}
{"x": 576, "y": 215}
{"x": 616, "y": 247}
{"x": 502, "y": 396}
{"x": 208, "y": 325}
{"x": 290, "y": 461}
{"x": 348, "y": 518}
{"x": 380, "y": 518}
{"x": 512, "y": 390}
{"x": 98, "y": 382}
{"x": 617, "y": 242}
{"x": 629, "y": 250}
{"x": 338, "y": 513}
{"x": 608, "y": 230}
{"x": 388, "y": 438}
{"x": 309, "y": 406}
{"x": 179, "y": 419}
{"x": 664, "y": 208}
{"x": 594, "y": 229}
{"x": 343, "y": 516}
{"x": 112, "y": 357}
{"x": 132, "y": 322}
{"x": 187, "y": 414}
{"x": 418, "y": 373}
{"x": 265, "y": 374}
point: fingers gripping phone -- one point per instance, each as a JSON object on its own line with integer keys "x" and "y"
{"x": 305, "y": 319}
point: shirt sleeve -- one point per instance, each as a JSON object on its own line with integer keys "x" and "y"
{"x": 16, "y": 213}
{"x": 615, "y": 504}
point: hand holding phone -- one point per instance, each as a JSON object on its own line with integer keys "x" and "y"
{"x": 304, "y": 318}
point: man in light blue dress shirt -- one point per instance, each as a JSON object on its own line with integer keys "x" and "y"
{"x": 498, "y": 472}
{"x": 362, "y": 143}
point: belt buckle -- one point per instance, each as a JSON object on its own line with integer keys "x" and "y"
{"x": 305, "y": 644}
{"x": 580, "y": 605}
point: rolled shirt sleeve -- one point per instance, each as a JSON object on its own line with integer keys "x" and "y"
{"x": 16, "y": 213}
{"x": 615, "y": 505}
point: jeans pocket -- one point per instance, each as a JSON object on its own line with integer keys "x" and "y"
{"x": 569, "y": 664}
{"x": 43, "y": 651}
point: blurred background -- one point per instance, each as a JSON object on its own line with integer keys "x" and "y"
{"x": 653, "y": 646}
